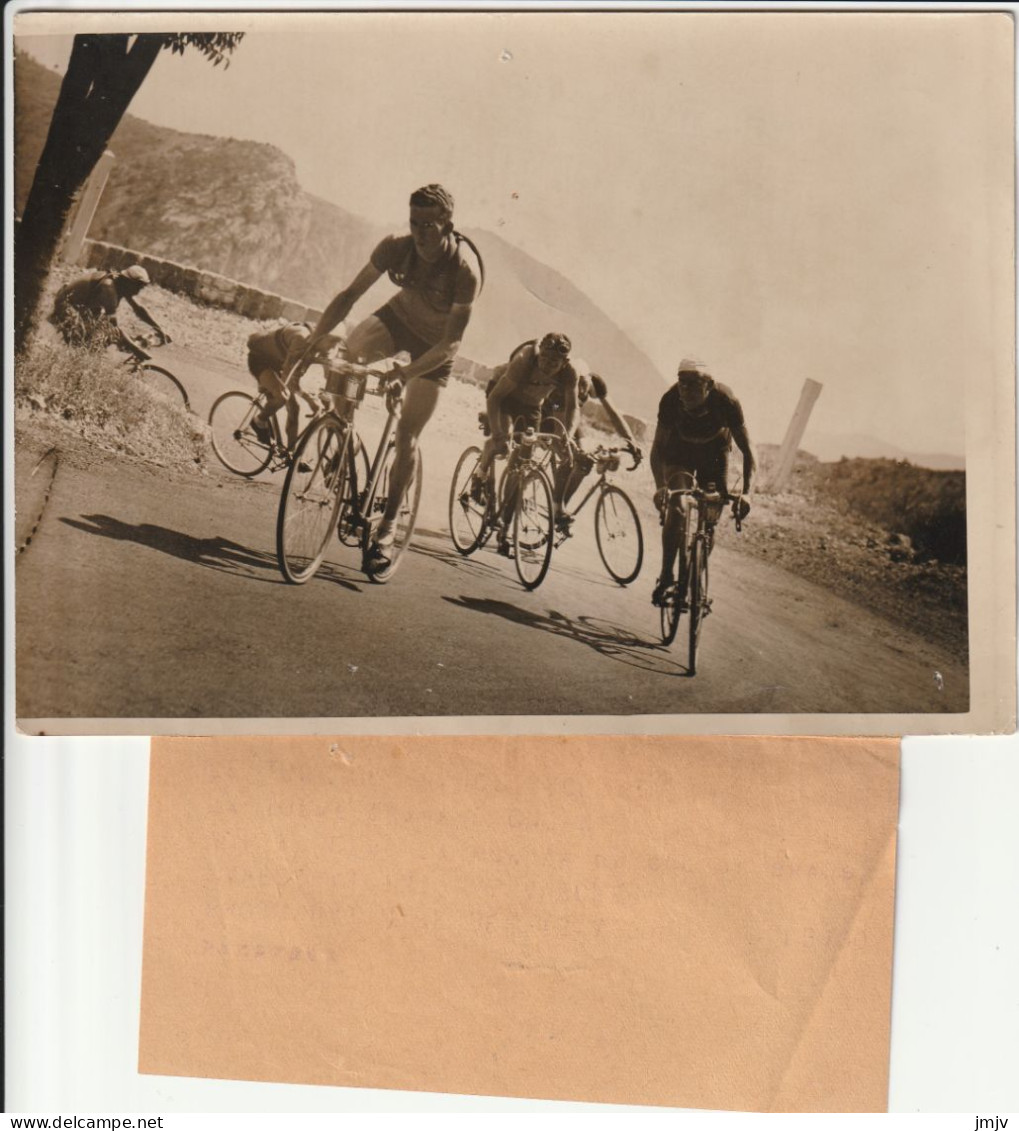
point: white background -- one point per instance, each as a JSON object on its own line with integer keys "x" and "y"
{"x": 75, "y": 883}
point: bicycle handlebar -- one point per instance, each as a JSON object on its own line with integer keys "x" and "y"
{"x": 602, "y": 453}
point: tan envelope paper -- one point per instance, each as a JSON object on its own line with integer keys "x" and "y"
{"x": 695, "y": 922}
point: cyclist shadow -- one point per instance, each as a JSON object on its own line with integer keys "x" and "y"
{"x": 212, "y": 553}
{"x": 479, "y": 564}
{"x": 608, "y": 639}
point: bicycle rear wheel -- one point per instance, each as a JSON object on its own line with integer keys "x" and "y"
{"x": 406, "y": 516}
{"x": 468, "y": 518}
{"x": 315, "y": 488}
{"x": 163, "y": 384}
{"x": 533, "y": 528}
{"x": 699, "y": 604}
{"x": 233, "y": 438}
{"x": 618, "y": 534}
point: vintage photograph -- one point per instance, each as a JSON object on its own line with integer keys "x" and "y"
{"x": 621, "y": 371}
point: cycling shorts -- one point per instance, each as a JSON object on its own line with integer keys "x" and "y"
{"x": 710, "y": 463}
{"x": 519, "y": 415}
{"x": 406, "y": 339}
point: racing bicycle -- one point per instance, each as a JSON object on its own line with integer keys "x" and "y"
{"x": 331, "y": 487}
{"x": 701, "y": 510}
{"x": 617, "y": 529}
{"x": 518, "y": 504}
{"x": 239, "y": 448}
{"x": 157, "y": 378}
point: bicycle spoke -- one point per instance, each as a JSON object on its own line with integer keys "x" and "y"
{"x": 314, "y": 490}
{"x": 618, "y": 535}
{"x": 233, "y": 438}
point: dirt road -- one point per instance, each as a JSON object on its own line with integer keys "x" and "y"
{"x": 148, "y": 593}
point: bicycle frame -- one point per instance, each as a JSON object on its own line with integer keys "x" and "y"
{"x": 364, "y": 502}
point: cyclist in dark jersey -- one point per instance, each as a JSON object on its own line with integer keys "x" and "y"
{"x": 698, "y": 421}
{"x": 570, "y": 474}
{"x": 85, "y": 310}
{"x": 439, "y": 276}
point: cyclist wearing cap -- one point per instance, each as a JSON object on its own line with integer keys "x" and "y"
{"x": 273, "y": 353}
{"x": 517, "y": 391}
{"x": 438, "y": 274}
{"x": 520, "y": 387}
{"x": 698, "y": 421}
{"x": 570, "y": 475}
{"x": 85, "y": 310}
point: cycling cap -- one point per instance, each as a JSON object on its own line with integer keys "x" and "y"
{"x": 560, "y": 343}
{"x": 433, "y": 196}
{"x": 136, "y": 274}
{"x": 692, "y": 365}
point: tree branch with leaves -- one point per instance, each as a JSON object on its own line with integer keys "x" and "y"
{"x": 103, "y": 75}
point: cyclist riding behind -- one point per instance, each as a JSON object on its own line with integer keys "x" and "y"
{"x": 439, "y": 273}
{"x": 278, "y": 359}
{"x": 518, "y": 390}
{"x": 570, "y": 475}
{"x": 698, "y": 421}
{"x": 85, "y": 310}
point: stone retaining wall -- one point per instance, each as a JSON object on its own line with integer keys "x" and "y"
{"x": 202, "y": 286}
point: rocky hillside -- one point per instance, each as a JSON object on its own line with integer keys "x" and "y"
{"x": 236, "y": 208}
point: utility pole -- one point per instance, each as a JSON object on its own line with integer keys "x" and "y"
{"x": 87, "y": 205}
{"x": 794, "y": 434}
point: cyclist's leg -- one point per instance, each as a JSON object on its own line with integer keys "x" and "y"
{"x": 275, "y": 396}
{"x": 293, "y": 420}
{"x": 370, "y": 341}
{"x": 714, "y": 470}
{"x": 673, "y": 529}
{"x": 582, "y": 466}
{"x": 419, "y": 400}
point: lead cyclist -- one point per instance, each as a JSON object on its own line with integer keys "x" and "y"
{"x": 698, "y": 421}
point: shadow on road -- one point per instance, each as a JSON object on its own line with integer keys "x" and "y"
{"x": 610, "y": 640}
{"x": 212, "y": 553}
{"x": 478, "y": 564}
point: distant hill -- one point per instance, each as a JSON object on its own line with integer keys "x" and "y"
{"x": 829, "y": 447}
{"x": 236, "y": 208}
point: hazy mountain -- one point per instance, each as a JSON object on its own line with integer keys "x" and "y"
{"x": 236, "y": 208}
{"x": 829, "y": 447}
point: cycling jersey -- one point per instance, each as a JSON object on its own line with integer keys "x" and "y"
{"x": 270, "y": 350}
{"x": 522, "y": 379}
{"x": 710, "y": 423}
{"x": 427, "y": 290}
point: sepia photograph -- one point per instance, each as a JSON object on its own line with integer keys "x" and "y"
{"x": 504, "y": 371}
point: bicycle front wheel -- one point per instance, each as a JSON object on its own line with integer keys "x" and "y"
{"x": 533, "y": 528}
{"x": 468, "y": 516}
{"x": 699, "y": 604}
{"x": 314, "y": 490}
{"x": 406, "y": 516}
{"x": 618, "y": 534}
{"x": 233, "y": 439}
{"x": 163, "y": 384}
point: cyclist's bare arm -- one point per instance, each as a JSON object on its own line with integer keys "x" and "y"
{"x": 618, "y": 422}
{"x": 446, "y": 348}
{"x": 145, "y": 316}
{"x": 571, "y": 410}
{"x": 742, "y": 441}
{"x": 656, "y": 461}
{"x": 342, "y": 304}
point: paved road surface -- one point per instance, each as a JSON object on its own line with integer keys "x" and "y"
{"x": 147, "y": 594}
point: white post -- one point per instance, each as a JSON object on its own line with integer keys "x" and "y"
{"x": 794, "y": 433}
{"x": 87, "y": 205}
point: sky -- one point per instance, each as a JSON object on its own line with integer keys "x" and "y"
{"x": 786, "y": 196}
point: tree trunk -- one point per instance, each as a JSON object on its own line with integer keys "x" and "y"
{"x": 103, "y": 75}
